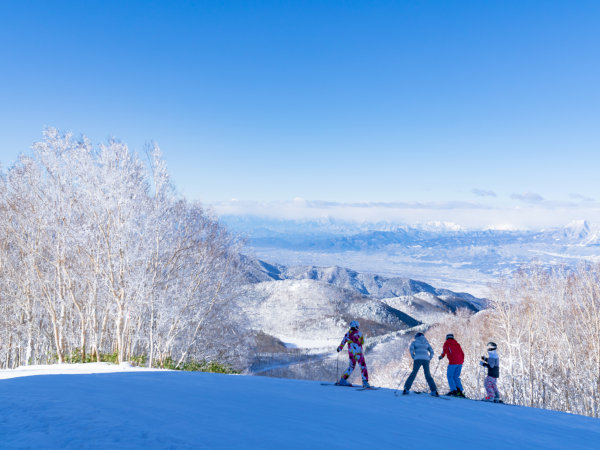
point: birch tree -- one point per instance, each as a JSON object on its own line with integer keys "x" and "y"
{"x": 100, "y": 255}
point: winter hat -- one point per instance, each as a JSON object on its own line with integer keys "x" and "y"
{"x": 449, "y": 336}
{"x": 419, "y": 334}
{"x": 354, "y": 324}
{"x": 491, "y": 346}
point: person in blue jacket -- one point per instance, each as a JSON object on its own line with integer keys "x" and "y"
{"x": 421, "y": 353}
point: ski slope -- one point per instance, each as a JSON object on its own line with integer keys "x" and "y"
{"x": 87, "y": 406}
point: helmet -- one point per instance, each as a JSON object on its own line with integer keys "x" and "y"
{"x": 491, "y": 346}
{"x": 419, "y": 334}
{"x": 354, "y": 324}
{"x": 449, "y": 336}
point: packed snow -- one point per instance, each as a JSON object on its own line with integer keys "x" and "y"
{"x": 87, "y": 406}
{"x": 71, "y": 369}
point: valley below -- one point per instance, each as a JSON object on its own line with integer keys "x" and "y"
{"x": 298, "y": 316}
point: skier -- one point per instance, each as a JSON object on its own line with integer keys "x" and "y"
{"x": 456, "y": 357}
{"x": 421, "y": 353}
{"x": 492, "y": 362}
{"x": 355, "y": 340}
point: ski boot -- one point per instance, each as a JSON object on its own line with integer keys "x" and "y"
{"x": 434, "y": 394}
{"x": 404, "y": 392}
{"x": 460, "y": 393}
{"x": 452, "y": 394}
{"x": 343, "y": 382}
{"x": 366, "y": 385}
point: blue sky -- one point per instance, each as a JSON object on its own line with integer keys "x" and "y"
{"x": 420, "y": 105}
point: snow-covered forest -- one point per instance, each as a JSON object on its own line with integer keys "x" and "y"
{"x": 99, "y": 255}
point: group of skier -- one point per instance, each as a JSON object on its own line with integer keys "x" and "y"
{"x": 422, "y": 353}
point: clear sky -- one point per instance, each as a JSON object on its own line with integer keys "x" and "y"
{"x": 433, "y": 105}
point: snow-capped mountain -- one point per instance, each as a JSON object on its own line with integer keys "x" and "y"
{"x": 368, "y": 284}
{"x": 579, "y": 232}
{"x": 443, "y": 255}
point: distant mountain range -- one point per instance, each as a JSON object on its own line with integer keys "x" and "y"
{"x": 441, "y": 254}
{"x": 343, "y": 236}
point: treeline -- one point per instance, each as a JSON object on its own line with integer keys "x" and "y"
{"x": 99, "y": 255}
{"x": 546, "y": 323}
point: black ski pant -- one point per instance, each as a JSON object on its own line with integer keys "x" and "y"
{"x": 417, "y": 363}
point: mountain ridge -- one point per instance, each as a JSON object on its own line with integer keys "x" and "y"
{"x": 367, "y": 284}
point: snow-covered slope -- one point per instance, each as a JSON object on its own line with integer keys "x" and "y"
{"x": 426, "y": 305}
{"x": 184, "y": 410}
{"x": 72, "y": 369}
{"x": 311, "y": 314}
{"x": 579, "y": 232}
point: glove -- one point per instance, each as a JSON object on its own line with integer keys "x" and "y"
{"x": 440, "y": 357}
{"x": 481, "y": 363}
{"x": 339, "y": 349}
{"x": 483, "y": 358}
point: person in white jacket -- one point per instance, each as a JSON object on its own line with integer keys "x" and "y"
{"x": 421, "y": 353}
{"x": 492, "y": 363}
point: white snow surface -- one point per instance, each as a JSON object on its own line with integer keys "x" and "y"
{"x": 119, "y": 407}
{"x": 63, "y": 369}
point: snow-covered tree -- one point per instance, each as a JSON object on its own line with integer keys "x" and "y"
{"x": 546, "y": 322}
{"x": 100, "y": 255}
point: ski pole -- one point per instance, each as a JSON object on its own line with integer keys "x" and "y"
{"x": 479, "y": 381}
{"x": 436, "y": 368}
{"x": 400, "y": 383}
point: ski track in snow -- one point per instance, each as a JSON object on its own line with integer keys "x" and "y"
{"x": 192, "y": 410}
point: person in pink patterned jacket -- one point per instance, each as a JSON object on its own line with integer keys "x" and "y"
{"x": 355, "y": 340}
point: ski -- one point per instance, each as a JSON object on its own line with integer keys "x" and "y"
{"x": 455, "y": 396}
{"x": 429, "y": 395}
{"x": 479, "y": 400}
{"x": 372, "y": 388}
{"x": 500, "y": 402}
{"x": 496, "y": 403}
{"x": 340, "y": 385}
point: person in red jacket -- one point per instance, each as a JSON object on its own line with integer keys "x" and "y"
{"x": 456, "y": 357}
